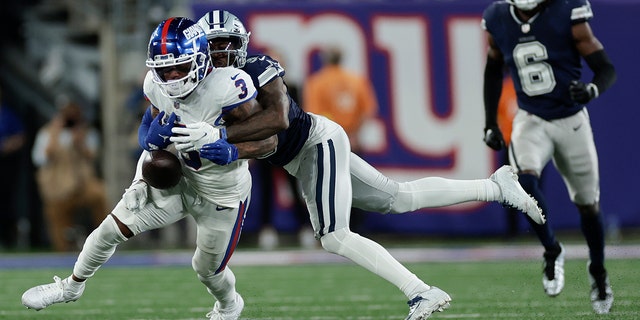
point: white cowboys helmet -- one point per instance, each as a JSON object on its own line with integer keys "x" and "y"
{"x": 223, "y": 24}
{"x": 525, "y": 5}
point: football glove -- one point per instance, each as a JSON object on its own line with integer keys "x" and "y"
{"x": 159, "y": 134}
{"x": 220, "y": 152}
{"x": 493, "y": 138}
{"x": 135, "y": 197}
{"x": 195, "y": 135}
{"x": 581, "y": 92}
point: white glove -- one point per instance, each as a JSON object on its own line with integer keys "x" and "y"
{"x": 194, "y": 136}
{"x": 135, "y": 197}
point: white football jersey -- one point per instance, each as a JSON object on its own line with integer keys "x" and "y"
{"x": 220, "y": 91}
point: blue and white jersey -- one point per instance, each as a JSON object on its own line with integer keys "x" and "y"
{"x": 263, "y": 69}
{"x": 541, "y": 53}
{"x": 219, "y": 92}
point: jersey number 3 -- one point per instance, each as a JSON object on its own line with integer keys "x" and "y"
{"x": 536, "y": 76}
{"x": 243, "y": 88}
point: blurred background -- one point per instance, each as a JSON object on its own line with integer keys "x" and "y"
{"x": 424, "y": 58}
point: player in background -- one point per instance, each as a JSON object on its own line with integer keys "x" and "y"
{"x": 316, "y": 151}
{"x": 542, "y": 43}
{"x": 191, "y": 94}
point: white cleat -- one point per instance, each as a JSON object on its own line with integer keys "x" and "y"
{"x": 553, "y": 272}
{"x": 514, "y": 196}
{"x": 42, "y": 296}
{"x": 232, "y": 313}
{"x": 601, "y": 292}
{"x": 428, "y": 302}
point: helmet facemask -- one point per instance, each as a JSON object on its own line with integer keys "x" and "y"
{"x": 230, "y": 49}
{"x": 194, "y": 66}
{"x": 219, "y": 25}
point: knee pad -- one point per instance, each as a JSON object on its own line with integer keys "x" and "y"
{"x": 202, "y": 263}
{"x": 108, "y": 233}
{"x": 334, "y": 241}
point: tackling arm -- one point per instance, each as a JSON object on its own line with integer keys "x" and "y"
{"x": 242, "y": 116}
{"x": 257, "y": 149}
{"x": 272, "y": 118}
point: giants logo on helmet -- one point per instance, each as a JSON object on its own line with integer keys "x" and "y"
{"x": 192, "y": 32}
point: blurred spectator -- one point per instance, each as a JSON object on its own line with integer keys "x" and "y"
{"x": 340, "y": 95}
{"x": 12, "y": 141}
{"x": 344, "y": 97}
{"x": 65, "y": 153}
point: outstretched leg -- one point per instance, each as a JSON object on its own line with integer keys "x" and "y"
{"x": 373, "y": 191}
{"x": 101, "y": 244}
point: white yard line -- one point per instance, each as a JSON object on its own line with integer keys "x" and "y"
{"x": 318, "y": 256}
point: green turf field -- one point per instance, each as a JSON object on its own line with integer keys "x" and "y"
{"x": 480, "y": 290}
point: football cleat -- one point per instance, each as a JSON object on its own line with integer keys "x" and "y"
{"x": 42, "y": 296}
{"x": 553, "y": 273}
{"x": 428, "y": 302}
{"x": 514, "y": 196}
{"x": 231, "y": 313}
{"x": 601, "y": 292}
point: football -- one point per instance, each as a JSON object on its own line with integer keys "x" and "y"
{"x": 161, "y": 169}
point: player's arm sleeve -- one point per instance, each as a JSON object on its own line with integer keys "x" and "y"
{"x": 143, "y": 129}
{"x": 493, "y": 77}
{"x": 604, "y": 73}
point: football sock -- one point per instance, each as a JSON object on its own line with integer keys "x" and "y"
{"x": 593, "y": 231}
{"x": 530, "y": 184}
{"x": 98, "y": 248}
{"x": 221, "y": 285}
{"x": 435, "y": 192}
{"x": 374, "y": 258}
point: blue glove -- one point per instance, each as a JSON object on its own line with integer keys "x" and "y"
{"x": 219, "y": 152}
{"x": 159, "y": 134}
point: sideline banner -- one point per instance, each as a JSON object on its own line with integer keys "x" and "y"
{"x": 426, "y": 61}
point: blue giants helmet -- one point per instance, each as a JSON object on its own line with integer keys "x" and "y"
{"x": 178, "y": 42}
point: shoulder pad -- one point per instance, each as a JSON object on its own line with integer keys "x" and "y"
{"x": 263, "y": 69}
